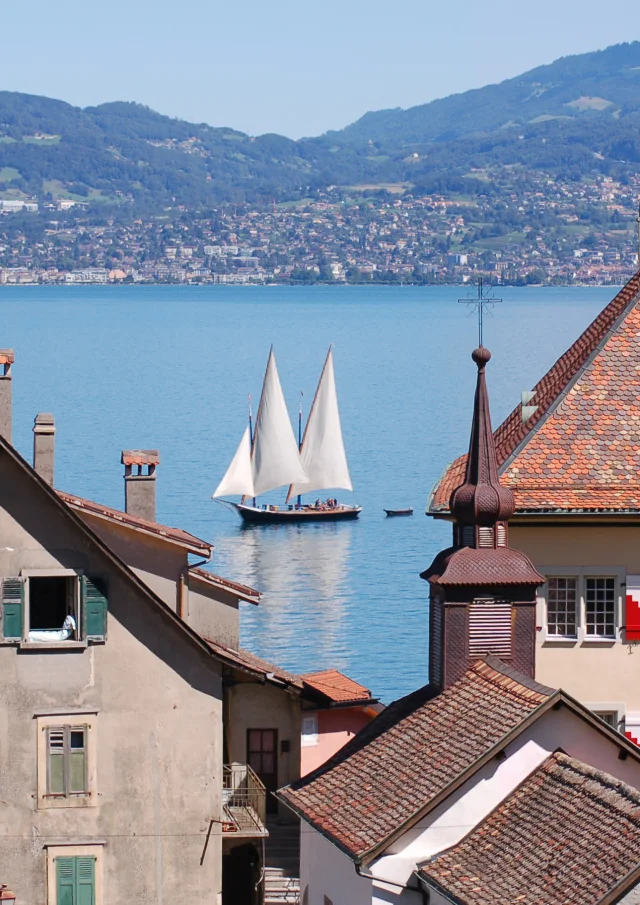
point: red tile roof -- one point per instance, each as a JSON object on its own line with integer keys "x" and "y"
{"x": 173, "y": 535}
{"x": 388, "y": 775}
{"x": 251, "y": 663}
{"x": 579, "y": 451}
{"x": 243, "y": 591}
{"x": 336, "y": 686}
{"x": 568, "y": 834}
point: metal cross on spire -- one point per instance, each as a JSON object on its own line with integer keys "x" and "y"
{"x": 480, "y": 302}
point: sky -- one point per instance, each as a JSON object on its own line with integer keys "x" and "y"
{"x": 289, "y": 66}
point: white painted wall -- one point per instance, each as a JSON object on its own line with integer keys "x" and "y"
{"x": 331, "y": 873}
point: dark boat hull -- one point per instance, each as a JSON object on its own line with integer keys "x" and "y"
{"x": 255, "y": 516}
{"x": 394, "y": 513}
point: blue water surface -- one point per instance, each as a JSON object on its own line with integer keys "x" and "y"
{"x": 171, "y": 367}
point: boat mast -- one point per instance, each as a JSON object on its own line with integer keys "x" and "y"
{"x": 253, "y": 437}
{"x": 313, "y": 405}
{"x": 251, "y": 433}
{"x": 300, "y": 438}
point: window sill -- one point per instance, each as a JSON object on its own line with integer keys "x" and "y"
{"x": 82, "y": 801}
{"x": 53, "y": 645}
{"x": 599, "y": 639}
{"x": 560, "y": 640}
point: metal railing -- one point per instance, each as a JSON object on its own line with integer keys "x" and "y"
{"x": 244, "y": 800}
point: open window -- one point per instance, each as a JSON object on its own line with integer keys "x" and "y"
{"x": 57, "y": 607}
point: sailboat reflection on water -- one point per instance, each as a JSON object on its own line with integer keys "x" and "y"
{"x": 269, "y": 457}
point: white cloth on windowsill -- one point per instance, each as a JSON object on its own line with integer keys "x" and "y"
{"x": 63, "y": 634}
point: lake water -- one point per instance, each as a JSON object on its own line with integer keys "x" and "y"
{"x": 171, "y": 367}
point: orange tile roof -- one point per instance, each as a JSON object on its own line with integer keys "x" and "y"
{"x": 173, "y": 535}
{"x": 568, "y": 833}
{"x": 580, "y": 450}
{"x": 336, "y": 686}
{"x": 383, "y": 779}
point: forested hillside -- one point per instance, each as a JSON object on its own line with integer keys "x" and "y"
{"x": 579, "y": 115}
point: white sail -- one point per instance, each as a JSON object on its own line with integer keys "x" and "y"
{"x": 275, "y": 455}
{"x": 323, "y": 456}
{"x": 239, "y": 476}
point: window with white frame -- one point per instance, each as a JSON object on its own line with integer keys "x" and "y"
{"x": 309, "y": 729}
{"x": 610, "y": 717}
{"x": 562, "y": 606}
{"x": 583, "y": 606}
{"x": 59, "y": 606}
{"x": 600, "y": 607}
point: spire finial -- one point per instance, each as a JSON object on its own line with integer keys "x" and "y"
{"x": 481, "y": 499}
{"x": 481, "y": 301}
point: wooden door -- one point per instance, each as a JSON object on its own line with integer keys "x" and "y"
{"x": 262, "y": 757}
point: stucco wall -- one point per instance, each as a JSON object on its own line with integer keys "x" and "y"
{"x": 158, "y": 730}
{"x": 213, "y": 614}
{"x": 596, "y": 672}
{"x": 326, "y": 871}
{"x": 255, "y": 706}
{"x": 335, "y": 728}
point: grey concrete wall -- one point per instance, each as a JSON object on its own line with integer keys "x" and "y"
{"x": 214, "y": 614}
{"x": 255, "y": 706}
{"x": 159, "y": 745}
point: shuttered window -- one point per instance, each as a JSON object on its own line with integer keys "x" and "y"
{"x": 490, "y": 627}
{"x": 75, "y": 880}
{"x": 66, "y": 761}
{"x": 12, "y": 608}
{"x": 95, "y": 609}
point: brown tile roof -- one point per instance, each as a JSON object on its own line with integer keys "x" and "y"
{"x": 336, "y": 686}
{"x": 388, "y": 775}
{"x": 173, "y": 535}
{"x": 568, "y": 834}
{"x": 243, "y": 591}
{"x": 579, "y": 450}
{"x": 249, "y": 662}
{"x": 471, "y": 566}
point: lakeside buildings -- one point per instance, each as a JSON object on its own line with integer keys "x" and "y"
{"x": 527, "y": 227}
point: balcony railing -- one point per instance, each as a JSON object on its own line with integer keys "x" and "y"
{"x": 244, "y": 801}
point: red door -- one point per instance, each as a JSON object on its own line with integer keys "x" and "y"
{"x": 262, "y": 756}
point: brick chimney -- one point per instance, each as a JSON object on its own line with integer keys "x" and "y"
{"x": 140, "y": 487}
{"x": 6, "y": 360}
{"x": 44, "y": 431}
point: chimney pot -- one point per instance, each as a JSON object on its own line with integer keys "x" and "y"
{"x": 44, "y": 430}
{"x": 140, "y": 486}
{"x": 6, "y": 360}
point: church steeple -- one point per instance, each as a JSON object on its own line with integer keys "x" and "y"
{"x": 483, "y": 593}
{"x": 481, "y": 502}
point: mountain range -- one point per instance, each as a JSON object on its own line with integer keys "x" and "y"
{"x": 578, "y": 115}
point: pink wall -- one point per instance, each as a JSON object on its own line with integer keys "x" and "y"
{"x": 335, "y": 728}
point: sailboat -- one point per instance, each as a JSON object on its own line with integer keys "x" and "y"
{"x": 269, "y": 457}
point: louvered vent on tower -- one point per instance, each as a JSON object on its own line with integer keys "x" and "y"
{"x": 436, "y": 642}
{"x": 467, "y": 536}
{"x": 485, "y": 537}
{"x": 490, "y": 627}
{"x": 501, "y": 536}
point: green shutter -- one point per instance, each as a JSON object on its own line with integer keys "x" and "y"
{"x": 12, "y": 608}
{"x": 85, "y": 882}
{"x": 66, "y": 880}
{"x": 95, "y": 609}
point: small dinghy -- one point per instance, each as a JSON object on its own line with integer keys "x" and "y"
{"x": 391, "y": 513}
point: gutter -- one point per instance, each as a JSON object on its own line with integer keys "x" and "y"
{"x": 370, "y": 876}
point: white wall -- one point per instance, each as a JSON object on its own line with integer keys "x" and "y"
{"x": 327, "y": 872}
